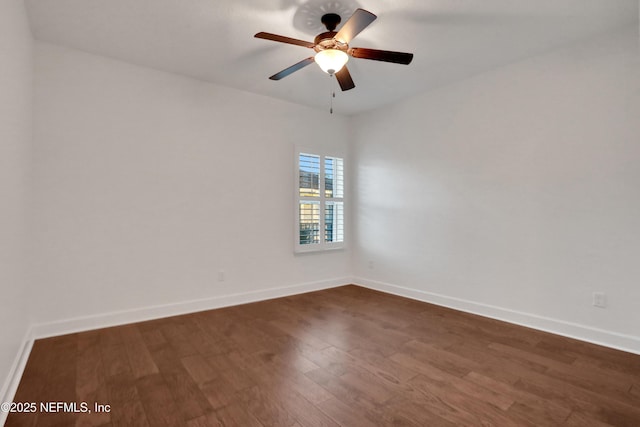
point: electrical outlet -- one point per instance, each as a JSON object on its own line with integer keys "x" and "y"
{"x": 600, "y": 299}
{"x": 371, "y": 265}
{"x": 221, "y": 276}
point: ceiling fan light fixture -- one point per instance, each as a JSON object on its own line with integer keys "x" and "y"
{"x": 331, "y": 60}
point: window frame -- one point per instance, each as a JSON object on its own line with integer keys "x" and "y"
{"x": 322, "y": 245}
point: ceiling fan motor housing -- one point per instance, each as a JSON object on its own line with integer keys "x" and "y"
{"x": 326, "y": 40}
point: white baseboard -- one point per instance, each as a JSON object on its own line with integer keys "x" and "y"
{"x": 10, "y": 386}
{"x": 105, "y": 320}
{"x": 602, "y": 337}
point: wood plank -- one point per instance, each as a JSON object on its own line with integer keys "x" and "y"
{"x": 91, "y": 384}
{"x": 352, "y": 391}
{"x": 265, "y": 369}
{"x": 61, "y": 380}
{"x": 344, "y": 414}
{"x": 426, "y": 413}
{"x": 237, "y": 415}
{"x": 237, "y": 378}
{"x": 218, "y": 393}
{"x": 545, "y": 411}
{"x": 159, "y": 404}
{"x": 464, "y": 403}
{"x": 199, "y": 369}
{"x": 577, "y": 419}
{"x": 126, "y": 407}
{"x": 266, "y": 409}
{"x": 384, "y": 367}
{"x": 207, "y": 420}
{"x": 140, "y": 359}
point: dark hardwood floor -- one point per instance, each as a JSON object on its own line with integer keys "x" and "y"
{"x": 340, "y": 357}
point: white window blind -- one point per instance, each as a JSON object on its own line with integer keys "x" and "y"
{"x": 320, "y": 218}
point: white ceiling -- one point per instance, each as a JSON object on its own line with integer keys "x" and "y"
{"x": 213, "y": 40}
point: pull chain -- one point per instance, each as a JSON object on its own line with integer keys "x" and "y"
{"x": 333, "y": 93}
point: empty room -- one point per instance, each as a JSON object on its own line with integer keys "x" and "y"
{"x": 319, "y": 213}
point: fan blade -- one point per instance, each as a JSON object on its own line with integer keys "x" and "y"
{"x": 295, "y": 67}
{"x": 283, "y": 39}
{"x": 382, "y": 55}
{"x": 344, "y": 79}
{"x": 358, "y": 22}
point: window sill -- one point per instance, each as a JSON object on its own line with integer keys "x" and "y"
{"x": 332, "y": 248}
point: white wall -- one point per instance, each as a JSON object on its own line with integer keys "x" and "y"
{"x": 514, "y": 194}
{"x": 16, "y": 72}
{"x": 147, "y": 184}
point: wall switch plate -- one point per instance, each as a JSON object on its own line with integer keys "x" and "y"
{"x": 221, "y": 276}
{"x": 599, "y": 299}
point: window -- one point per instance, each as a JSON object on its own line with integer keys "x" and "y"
{"x": 320, "y": 202}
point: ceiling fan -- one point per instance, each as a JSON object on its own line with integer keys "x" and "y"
{"x": 332, "y": 48}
